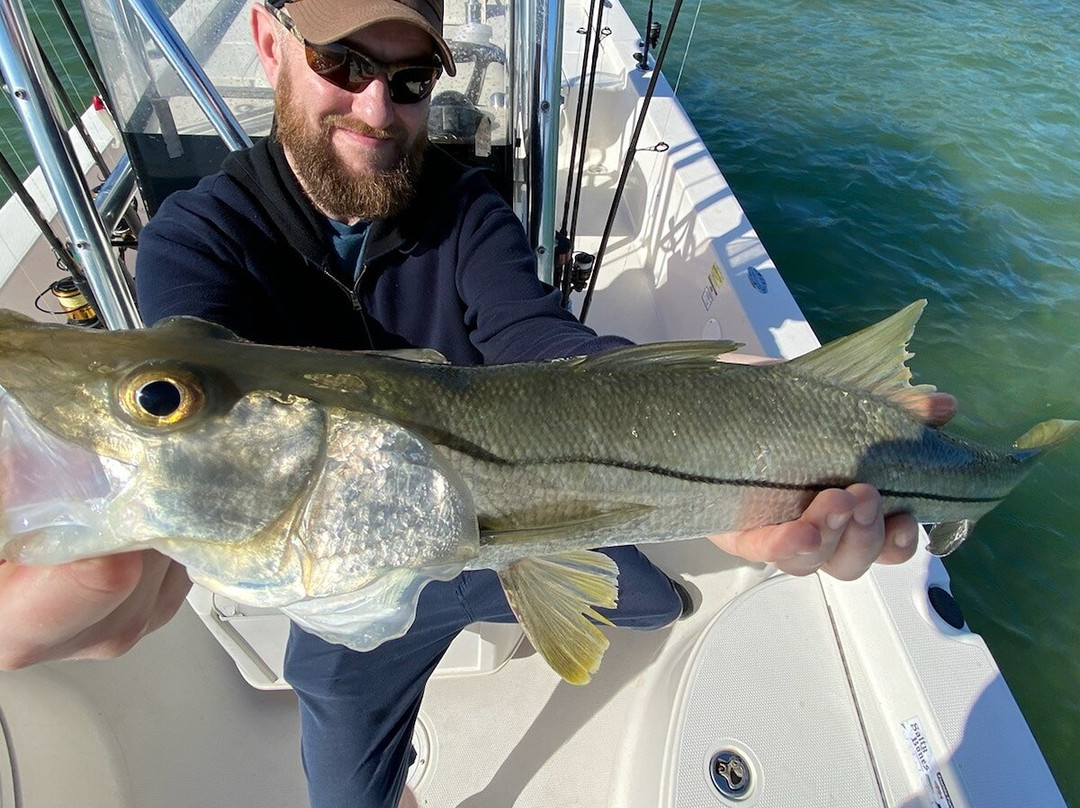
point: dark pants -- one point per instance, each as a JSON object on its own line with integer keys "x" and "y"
{"x": 357, "y": 710}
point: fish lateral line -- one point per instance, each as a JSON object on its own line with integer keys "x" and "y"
{"x": 478, "y": 453}
{"x": 770, "y": 484}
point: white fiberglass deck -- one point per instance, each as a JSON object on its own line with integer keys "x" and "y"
{"x": 173, "y": 724}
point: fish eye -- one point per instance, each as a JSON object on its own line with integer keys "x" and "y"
{"x": 161, "y": 396}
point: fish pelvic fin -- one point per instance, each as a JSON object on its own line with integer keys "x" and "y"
{"x": 1045, "y": 436}
{"x": 555, "y": 599}
{"x": 873, "y": 360}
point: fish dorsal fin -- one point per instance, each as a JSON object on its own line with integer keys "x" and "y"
{"x": 555, "y": 599}
{"x": 429, "y": 355}
{"x": 693, "y": 353}
{"x": 872, "y": 360}
{"x": 182, "y": 325}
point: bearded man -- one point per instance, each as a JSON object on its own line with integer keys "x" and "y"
{"x": 345, "y": 229}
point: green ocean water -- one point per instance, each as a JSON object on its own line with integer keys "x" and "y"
{"x": 888, "y": 152}
{"x": 931, "y": 148}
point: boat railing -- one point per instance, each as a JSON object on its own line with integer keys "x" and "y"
{"x": 35, "y": 102}
{"x": 176, "y": 53}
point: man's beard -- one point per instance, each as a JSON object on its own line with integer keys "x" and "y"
{"x": 337, "y": 190}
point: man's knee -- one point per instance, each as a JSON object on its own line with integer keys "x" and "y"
{"x": 648, "y": 598}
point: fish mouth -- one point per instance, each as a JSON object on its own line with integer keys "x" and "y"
{"x": 53, "y": 494}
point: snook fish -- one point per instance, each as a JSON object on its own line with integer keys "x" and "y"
{"x": 335, "y": 485}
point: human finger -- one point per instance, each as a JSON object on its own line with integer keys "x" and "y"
{"x": 936, "y": 409}
{"x": 799, "y": 546}
{"x": 770, "y": 543}
{"x": 155, "y": 599}
{"x": 174, "y": 590}
{"x": 43, "y": 608}
{"x": 901, "y": 539}
{"x": 829, "y": 513}
{"x": 863, "y": 537}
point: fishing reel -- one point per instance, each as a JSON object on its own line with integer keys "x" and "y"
{"x": 74, "y": 300}
{"x": 574, "y": 272}
{"x": 650, "y": 42}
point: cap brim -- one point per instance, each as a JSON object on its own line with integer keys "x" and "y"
{"x": 321, "y": 24}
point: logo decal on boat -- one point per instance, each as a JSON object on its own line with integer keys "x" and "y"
{"x": 712, "y": 289}
{"x": 927, "y": 765}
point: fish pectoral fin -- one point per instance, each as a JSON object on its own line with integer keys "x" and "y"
{"x": 555, "y": 599}
{"x": 873, "y": 360}
{"x": 533, "y": 527}
{"x": 947, "y": 536}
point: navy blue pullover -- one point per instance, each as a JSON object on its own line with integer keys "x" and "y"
{"x": 247, "y": 250}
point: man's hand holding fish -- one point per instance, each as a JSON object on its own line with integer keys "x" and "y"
{"x": 843, "y": 531}
{"x": 95, "y": 608}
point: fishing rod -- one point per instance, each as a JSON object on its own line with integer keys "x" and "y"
{"x": 64, "y": 259}
{"x": 69, "y": 108}
{"x": 652, "y": 36}
{"x": 589, "y": 60}
{"x": 130, "y": 217}
{"x": 629, "y": 160}
{"x": 71, "y": 292}
{"x": 84, "y": 55}
{"x": 588, "y": 31}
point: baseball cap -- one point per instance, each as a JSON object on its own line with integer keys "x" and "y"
{"x": 321, "y": 22}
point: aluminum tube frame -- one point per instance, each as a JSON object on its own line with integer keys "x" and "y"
{"x": 177, "y": 54}
{"x": 115, "y": 195}
{"x": 36, "y": 106}
{"x": 536, "y": 102}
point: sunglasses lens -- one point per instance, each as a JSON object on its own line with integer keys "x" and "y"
{"x": 411, "y": 84}
{"x": 350, "y": 70}
{"x": 332, "y": 63}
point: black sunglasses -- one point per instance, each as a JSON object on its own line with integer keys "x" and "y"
{"x": 352, "y": 70}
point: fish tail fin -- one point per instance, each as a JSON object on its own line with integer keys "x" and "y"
{"x": 555, "y": 599}
{"x": 1045, "y": 436}
{"x": 947, "y": 536}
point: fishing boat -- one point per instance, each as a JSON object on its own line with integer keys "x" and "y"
{"x": 776, "y": 691}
